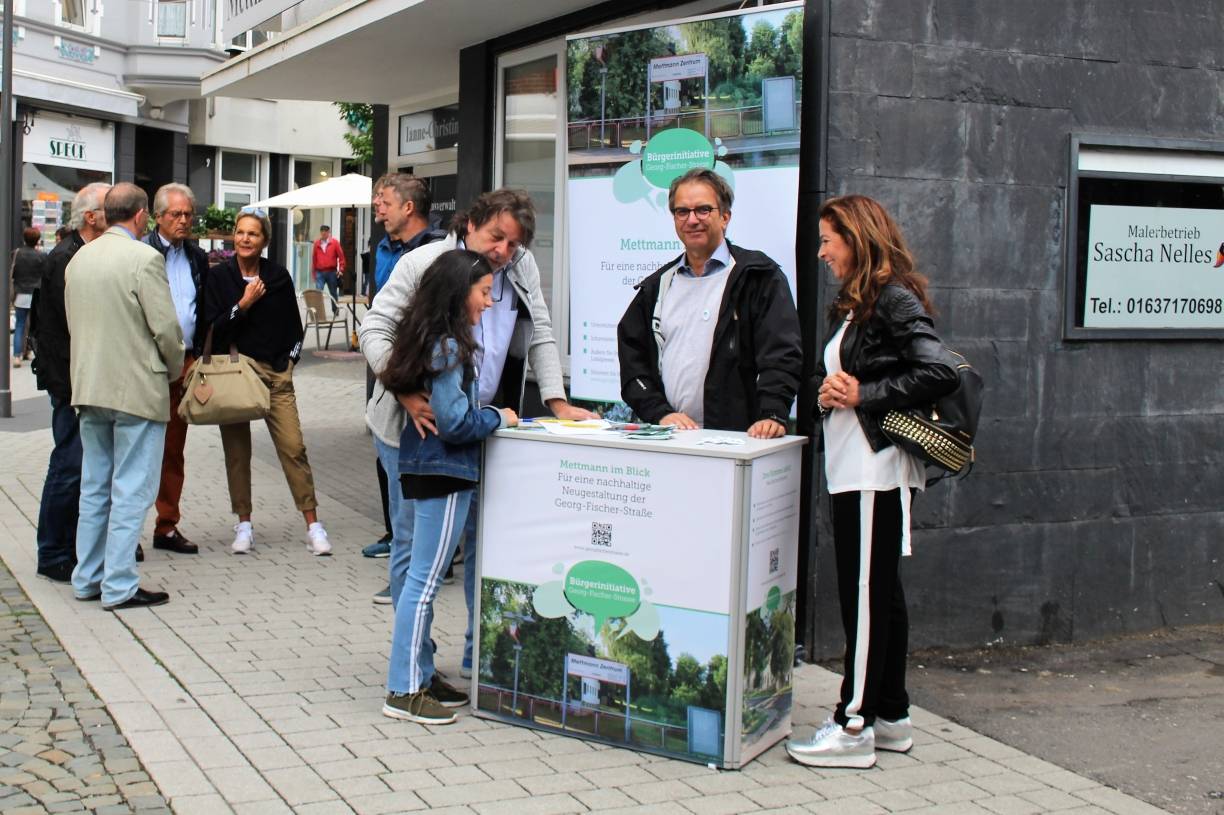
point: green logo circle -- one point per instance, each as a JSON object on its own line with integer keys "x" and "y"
{"x": 773, "y": 598}
{"x": 602, "y": 590}
{"x": 673, "y": 153}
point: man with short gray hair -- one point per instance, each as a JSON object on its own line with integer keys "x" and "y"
{"x": 61, "y": 493}
{"x": 127, "y": 345}
{"x": 186, "y": 268}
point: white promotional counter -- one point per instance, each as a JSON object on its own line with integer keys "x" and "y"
{"x": 640, "y": 592}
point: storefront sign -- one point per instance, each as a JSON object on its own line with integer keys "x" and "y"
{"x": 429, "y": 130}
{"x": 243, "y": 15}
{"x": 64, "y": 141}
{"x": 620, "y": 229}
{"x": 1154, "y": 267}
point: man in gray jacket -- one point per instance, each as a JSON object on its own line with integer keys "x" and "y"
{"x": 517, "y": 330}
{"x": 127, "y": 346}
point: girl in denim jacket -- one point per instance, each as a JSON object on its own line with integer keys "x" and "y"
{"x": 436, "y": 352}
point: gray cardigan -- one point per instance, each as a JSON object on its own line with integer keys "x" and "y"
{"x": 384, "y": 414}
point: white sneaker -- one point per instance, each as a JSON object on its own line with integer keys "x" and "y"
{"x": 834, "y": 746}
{"x": 316, "y": 539}
{"x": 896, "y": 737}
{"x": 244, "y": 536}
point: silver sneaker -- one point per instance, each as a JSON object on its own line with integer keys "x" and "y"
{"x": 896, "y": 737}
{"x": 834, "y": 746}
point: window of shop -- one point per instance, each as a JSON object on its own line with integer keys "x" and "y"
{"x": 306, "y": 222}
{"x": 1146, "y": 239}
{"x": 61, "y": 155}
{"x": 530, "y": 115}
{"x": 239, "y": 179}
{"x": 171, "y": 19}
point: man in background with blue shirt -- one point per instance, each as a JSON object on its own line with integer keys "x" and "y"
{"x": 402, "y": 204}
{"x": 186, "y": 266}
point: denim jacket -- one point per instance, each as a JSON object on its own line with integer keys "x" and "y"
{"x": 462, "y": 423}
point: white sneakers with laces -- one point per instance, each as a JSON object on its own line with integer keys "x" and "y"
{"x": 244, "y": 536}
{"x": 834, "y": 746}
{"x": 316, "y": 539}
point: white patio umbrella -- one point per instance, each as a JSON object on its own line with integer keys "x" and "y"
{"x": 350, "y": 190}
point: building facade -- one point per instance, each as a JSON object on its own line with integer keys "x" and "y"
{"x": 110, "y": 91}
{"x": 1004, "y": 140}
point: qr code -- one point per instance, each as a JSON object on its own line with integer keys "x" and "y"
{"x": 601, "y": 534}
{"x": 774, "y": 560}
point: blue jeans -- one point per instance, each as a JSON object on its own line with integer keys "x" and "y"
{"x": 19, "y": 331}
{"x": 331, "y": 280}
{"x": 120, "y": 470}
{"x": 403, "y": 518}
{"x": 436, "y": 534}
{"x": 61, "y": 493}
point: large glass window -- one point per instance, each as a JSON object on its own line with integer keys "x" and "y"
{"x": 242, "y": 167}
{"x": 306, "y": 222}
{"x": 530, "y": 97}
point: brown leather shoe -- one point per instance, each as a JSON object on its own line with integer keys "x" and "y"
{"x": 174, "y": 541}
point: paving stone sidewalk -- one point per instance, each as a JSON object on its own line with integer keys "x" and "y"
{"x": 59, "y": 749}
{"x": 258, "y": 687}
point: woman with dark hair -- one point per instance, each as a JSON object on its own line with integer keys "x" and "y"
{"x": 249, "y": 301}
{"x": 28, "y": 267}
{"x": 435, "y": 352}
{"x": 882, "y": 354}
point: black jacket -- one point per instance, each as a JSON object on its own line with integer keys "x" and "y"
{"x": 897, "y": 358}
{"x": 51, "y": 328}
{"x": 756, "y": 359}
{"x": 28, "y": 268}
{"x": 198, "y": 259}
{"x": 270, "y": 331}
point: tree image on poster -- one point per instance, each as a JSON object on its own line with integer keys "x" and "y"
{"x": 530, "y": 634}
{"x": 768, "y": 652}
{"x": 646, "y": 105}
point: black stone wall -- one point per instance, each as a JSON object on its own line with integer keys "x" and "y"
{"x": 1097, "y": 503}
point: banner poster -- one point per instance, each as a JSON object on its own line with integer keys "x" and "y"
{"x": 605, "y": 600}
{"x": 1154, "y": 267}
{"x": 769, "y": 631}
{"x": 645, "y": 105}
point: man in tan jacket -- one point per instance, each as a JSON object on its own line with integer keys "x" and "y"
{"x": 126, "y": 347}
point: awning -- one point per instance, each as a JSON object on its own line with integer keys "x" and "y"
{"x": 350, "y": 190}
{"x": 111, "y": 102}
{"x": 377, "y": 51}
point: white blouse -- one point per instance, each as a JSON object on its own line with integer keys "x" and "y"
{"x": 850, "y": 463}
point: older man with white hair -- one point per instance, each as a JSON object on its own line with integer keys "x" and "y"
{"x": 61, "y": 493}
{"x": 186, "y": 268}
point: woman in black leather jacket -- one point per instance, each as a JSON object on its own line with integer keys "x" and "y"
{"x": 882, "y": 353}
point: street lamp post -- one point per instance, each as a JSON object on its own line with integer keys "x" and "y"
{"x": 517, "y": 620}
{"x": 6, "y": 198}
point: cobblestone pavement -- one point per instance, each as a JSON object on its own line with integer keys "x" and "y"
{"x": 59, "y": 749}
{"x": 258, "y": 687}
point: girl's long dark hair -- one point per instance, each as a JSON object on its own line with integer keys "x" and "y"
{"x": 437, "y": 312}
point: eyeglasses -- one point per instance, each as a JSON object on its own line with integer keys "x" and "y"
{"x": 258, "y": 212}
{"x": 179, "y": 214}
{"x": 702, "y": 212}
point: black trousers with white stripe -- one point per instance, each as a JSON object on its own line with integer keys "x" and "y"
{"x": 867, "y": 541}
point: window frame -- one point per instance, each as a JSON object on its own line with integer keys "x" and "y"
{"x": 157, "y": 18}
{"x": 558, "y": 306}
{"x": 91, "y": 10}
{"x": 1072, "y": 279}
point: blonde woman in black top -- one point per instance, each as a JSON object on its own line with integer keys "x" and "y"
{"x": 250, "y": 302}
